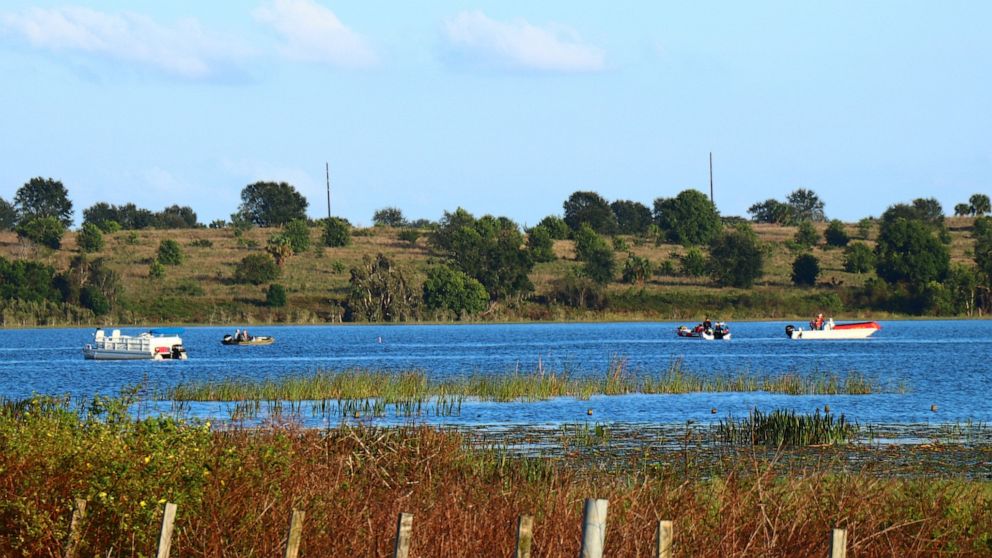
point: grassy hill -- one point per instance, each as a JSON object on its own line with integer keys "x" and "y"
{"x": 201, "y": 290}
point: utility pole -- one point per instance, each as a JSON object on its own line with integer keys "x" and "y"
{"x": 327, "y": 169}
{"x": 711, "y": 179}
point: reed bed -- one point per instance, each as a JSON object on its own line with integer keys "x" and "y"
{"x": 236, "y": 488}
{"x": 786, "y": 428}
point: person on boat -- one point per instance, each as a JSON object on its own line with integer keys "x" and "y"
{"x": 245, "y": 336}
{"x": 707, "y": 324}
{"x": 818, "y": 322}
{"x": 237, "y": 334}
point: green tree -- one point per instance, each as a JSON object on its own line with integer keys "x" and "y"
{"x": 90, "y": 239}
{"x": 8, "y": 215}
{"x": 592, "y": 209}
{"x": 858, "y": 258}
{"x": 176, "y": 217}
{"x": 929, "y": 210}
{"x": 409, "y": 236}
{"x": 736, "y": 257}
{"x": 586, "y": 240}
{"x": 337, "y": 232}
{"x": 864, "y": 227}
{"x": 983, "y": 248}
{"x": 805, "y": 205}
{"x": 271, "y": 204}
{"x": 280, "y": 248}
{"x": 43, "y": 197}
{"x": 45, "y": 231}
{"x": 380, "y": 292}
{"x": 170, "y": 252}
{"x": 836, "y": 234}
{"x": 806, "y": 236}
{"x": 771, "y": 211}
{"x": 156, "y": 270}
{"x": 805, "y": 270}
{"x": 688, "y": 218}
{"x": 962, "y": 210}
{"x": 908, "y": 252}
{"x": 91, "y": 297}
{"x": 297, "y": 232}
{"x": 980, "y": 204}
{"x": 600, "y": 264}
{"x": 578, "y": 291}
{"x": 27, "y": 280}
{"x": 540, "y": 245}
{"x": 275, "y": 296}
{"x": 454, "y": 291}
{"x": 556, "y": 227}
{"x": 693, "y": 263}
{"x": 632, "y": 217}
{"x": 256, "y": 269}
{"x": 389, "y": 217}
{"x": 636, "y": 269}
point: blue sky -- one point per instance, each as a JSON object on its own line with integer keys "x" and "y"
{"x": 498, "y": 107}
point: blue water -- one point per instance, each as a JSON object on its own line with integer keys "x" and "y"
{"x": 943, "y": 363}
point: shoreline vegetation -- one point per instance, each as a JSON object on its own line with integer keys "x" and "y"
{"x": 236, "y": 488}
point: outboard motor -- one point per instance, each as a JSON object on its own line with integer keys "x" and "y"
{"x": 788, "y": 330}
{"x": 177, "y": 352}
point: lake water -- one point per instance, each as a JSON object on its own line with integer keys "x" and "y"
{"x": 943, "y": 363}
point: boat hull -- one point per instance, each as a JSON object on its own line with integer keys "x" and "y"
{"x": 862, "y": 330}
{"x": 254, "y": 342}
{"x": 124, "y": 355}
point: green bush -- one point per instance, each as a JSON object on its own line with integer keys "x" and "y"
{"x": 452, "y": 290}
{"x": 275, "y": 296}
{"x": 91, "y": 297}
{"x": 90, "y": 239}
{"x": 46, "y": 231}
{"x": 835, "y": 234}
{"x": 858, "y": 258}
{"x": 170, "y": 252}
{"x": 737, "y": 258}
{"x": 806, "y": 236}
{"x": 805, "y": 270}
{"x": 156, "y": 270}
{"x": 297, "y": 232}
{"x": 409, "y": 236}
{"x": 636, "y": 269}
{"x": 556, "y": 226}
{"x": 337, "y": 232}
{"x": 540, "y": 245}
{"x": 693, "y": 263}
{"x": 202, "y": 243}
{"x": 256, "y": 269}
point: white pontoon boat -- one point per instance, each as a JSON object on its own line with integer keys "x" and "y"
{"x": 157, "y": 344}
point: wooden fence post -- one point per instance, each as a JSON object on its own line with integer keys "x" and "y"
{"x": 594, "y": 528}
{"x": 525, "y": 536}
{"x": 295, "y": 533}
{"x": 75, "y": 526}
{"x": 404, "y": 532}
{"x": 665, "y": 539}
{"x": 838, "y": 544}
{"x": 165, "y": 538}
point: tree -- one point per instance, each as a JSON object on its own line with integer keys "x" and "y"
{"x": 632, "y": 217}
{"x": 337, "y": 232}
{"x": 736, "y": 257}
{"x": 540, "y": 245}
{"x": 806, "y": 236}
{"x": 688, "y": 218}
{"x": 858, "y": 258}
{"x": 586, "y": 240}
{"x": 454, "y": 291}
{"x": 275, "y": 296}
{"x": 864, "y": 227}
{"x": 983, "y": 248}
{"x": 962, "y": 210}
{"x": 44, "y": 197}
{"x": 270, "y": 204}
{"x": 256, "y": 269}
{"x": 556, "y": 227}
{"x": 805, "y": 205}
{"x": 45, "y": 231}
{"x": 8, "y": 215}
{"x": 980, "y": 204}
{"x": 908, "y": 252}
{"x": 169, "y": 252}
{"x": 176, "y": 217}
{"x": 27, "y": 280}
{"x": 380, "y": 292}
{"x": 636, "y": 269}
{"x": 805, "y": 270}
{"x": 297, "y": 232}
{"x": 693, "y": 263}
{"x": 600, "y": 264}
{"x": 389, "y": 217}
{"x": 90, "y": 238}
{"x": 836, "y": 234}
{"x": 280, "y": 248}
{"x": 592, "y": 209}
{"x": 771, "y": 211}
{"x": 929, "y": 210}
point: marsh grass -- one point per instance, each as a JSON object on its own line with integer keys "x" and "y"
{"x": 786, "y": 428}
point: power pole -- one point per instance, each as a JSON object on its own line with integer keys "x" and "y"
{"x": 711, "y": 179}
{"x": 327, "y": 169}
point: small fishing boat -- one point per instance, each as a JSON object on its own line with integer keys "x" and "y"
{"x": 156, "y": 344}
{"x": 830, "y": 330}
{"x": 260, "y": 340}
{"x": 719, "y": 331}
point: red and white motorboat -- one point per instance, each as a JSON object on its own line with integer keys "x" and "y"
{"x": 719, "y": 331}
{"x": 830, "y": 330}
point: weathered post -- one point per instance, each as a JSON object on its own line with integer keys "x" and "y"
{"x": 665, "y": 536}
{"x": 165, "y": 538}
{"x": 75, "y": 528}
{"x": 404, "y": 533}
{"x": 838, "y": 544}
{"x": 594, "y": 528}
{"x": 295, "y": 533}
{"x": 525, "y": 535}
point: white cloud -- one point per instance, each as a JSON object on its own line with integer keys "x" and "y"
{"x": 183, "y": 49}
{"x": 475, "y": 37}
{"x": 312, "y": 33}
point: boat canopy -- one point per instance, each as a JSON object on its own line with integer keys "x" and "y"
{"x": 167, "y": 331}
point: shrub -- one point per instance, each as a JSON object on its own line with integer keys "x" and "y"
{"x": 636, "y": 269}
{"x": 91, "y": 297}
{"x": 689, "y": 218}
{"x": 452, "y": 290}
{"x": 297, "y": 232}
{"x": 217, "y": 224}
{"x": 864, "y": 227}
{"x": 337, "y": 232}
{"x": 202, "y": 243}
{"x": 805, "y": 270}
{"x": 110, "y": 226}
{"x": 156, "y": 270}
{"x": 835, "y": 235}
{"x": 540, "y": 244}
{"x": 169, "y": 252}
{"x": 693, "y": 263}
{"x": 275, "y": 296}
{"x": 736, "y": 257}
{"x": 556, "y": 226}
{"x": 46, "y": 231}
{"x": 256, "y": 269}
{"x": 858, "y": 258}
{"x": 620, "y": 244}
{"x": 90, "y": 239}
{"x": 806, "y": 236}
{"x": 409, "y": 236}
{"x": 578, "y": 292}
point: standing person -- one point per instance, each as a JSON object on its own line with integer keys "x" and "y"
{"x": 707, "y": 324}
{"x": 818, "y": 322}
